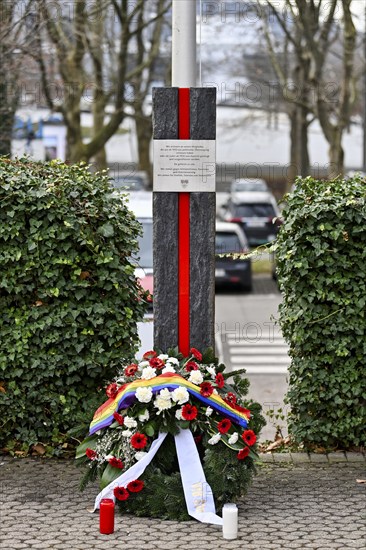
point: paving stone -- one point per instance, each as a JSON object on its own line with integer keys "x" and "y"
{"x": 282, "y": 457}
{"x": 337, "y": 457}
{"x": 300, "y": 458}
{"x": 267, "y": 457}
{"x": 355, "y": 457}
{"x": 318, "y": 458}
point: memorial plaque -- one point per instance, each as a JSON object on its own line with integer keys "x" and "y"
{"x": 184, "y": 165}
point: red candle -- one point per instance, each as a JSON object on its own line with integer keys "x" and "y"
{"x": 106, "y": 516}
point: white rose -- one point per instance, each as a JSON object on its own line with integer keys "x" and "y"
{"x": 130, "y": 422}
{"x": 233, "y": 438}
{"x": 127, "y": 433}
{"x": 163, "y": 356}
{"x": 144, "y": 417}
{"x": 168, "y": 368}
{"x": 140, "y": 455}
{"x": 212, "y": 371}
{"x": 209, "y": 411}
{"x": 178, "y": 414}
{"x": 196, "y": 377}
{"x": 214, "y": 439}
{"x": 148, "y": 373}
{"x": 172, "y": 360}
{"x": 144, "y": 395}
{"x": 180, "y": 396}
{"x": 143, "y": 364}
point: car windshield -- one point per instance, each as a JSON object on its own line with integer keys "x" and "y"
{"x": 132, "y": 183}
{"x": 249, "y": 186}
{"x": 227, "y": 242}
{"x": 255, "y": 210}
{"x": 146, "y": 244}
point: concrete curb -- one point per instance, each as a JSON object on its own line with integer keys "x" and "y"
{"x": 312, "y": 458}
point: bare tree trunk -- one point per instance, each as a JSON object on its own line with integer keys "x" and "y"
{"x": 143, "y": 134}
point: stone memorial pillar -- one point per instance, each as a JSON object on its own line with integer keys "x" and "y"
{"x": 184, "y": 203}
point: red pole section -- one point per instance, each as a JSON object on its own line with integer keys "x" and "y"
{"x": 184, "y": 236}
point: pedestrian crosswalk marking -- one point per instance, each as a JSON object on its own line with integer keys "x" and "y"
{"x": 258, "y": 355}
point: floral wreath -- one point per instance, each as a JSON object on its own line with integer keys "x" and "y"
{"x": 165, "y": 393}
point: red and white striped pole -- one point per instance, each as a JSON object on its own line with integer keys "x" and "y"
{"x": 184, "y": 70}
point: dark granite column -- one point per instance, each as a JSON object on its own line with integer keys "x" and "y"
{"x": 202, "y": 226}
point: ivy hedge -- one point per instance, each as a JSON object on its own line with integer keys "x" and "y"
{"x": 321, "y": 267}
{"x": 69, "y": 299}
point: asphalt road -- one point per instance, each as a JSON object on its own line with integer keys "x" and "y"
{"x": 248, "y": 336}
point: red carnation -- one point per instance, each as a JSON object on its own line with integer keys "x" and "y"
{"x": 156, "y": 363}
{"x": 112, "y": 390}
{"x": 130, "y": 370}
{"x": 243, "y": 453}
{"x": 119, "y": 418}
{"x": 135, "y": 486}
{"x": 90, "y": 453}
{"x": 189, "y": 412}
{"x": 196, "y": 354}
{"x": 224, "y": 426}
{"x": 206, "y": 389}
{"x": 220, "y": 380}
{"x": 190, "y": 366}
{"x": 230, "y": 398}
{"x": 138, "y": 441}
{"x": 149, "y": 355}
{"x": 121, "y": 493}
{"x": 249, "y": 437}
{"x": 116, "y": 463}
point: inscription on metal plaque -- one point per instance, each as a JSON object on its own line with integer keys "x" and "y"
{"x": 184, "y": 165}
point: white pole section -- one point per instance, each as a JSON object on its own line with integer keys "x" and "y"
{"x": 184, "y": 50}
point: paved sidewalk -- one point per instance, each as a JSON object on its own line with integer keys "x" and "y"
{"x": 292, "y": 504}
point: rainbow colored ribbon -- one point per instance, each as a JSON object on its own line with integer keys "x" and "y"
{"x": 125, "y": 397}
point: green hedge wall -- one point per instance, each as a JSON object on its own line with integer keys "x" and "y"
{"x": 321, "y": 265}
{"x": 69, "y": 299}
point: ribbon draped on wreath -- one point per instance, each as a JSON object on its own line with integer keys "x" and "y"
{"x": 125, "y": 397}
{"x": 198, "y": 495}
{"x": 197, "y": 492}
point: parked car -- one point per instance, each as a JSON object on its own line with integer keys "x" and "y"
{"x": 248, "y": 185}
{"x": 256, "y": 213}
{"x": 230, "y": 270}
{"x": 130, "y": 181}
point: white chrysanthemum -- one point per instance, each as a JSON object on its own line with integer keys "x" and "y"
{"x": 127, "y": 433}
{"x": 233, "y": 438}
{"x": 180, "y": 395}
{"x": 212, "y": 371}
{"x": 178, "y": 414}
{"x": 144, "y": 395}
{"x": 130, "y": 422}
{"x": 165, "y": 394}
{"x": 172, "y": 360}
{"x": 143, "y": 364}
{"x": 140, "y": 455}
{"x": 148, "y": 373}
{"x": 163, "y": 356}
{"x": 162, "y": 404}
{"x": 195, "y": 377}
{"x": 209, "y": 411}
{"x": 168, "y": 368}
{"x": 144, "y": 417}
{"x": 214, "y": 439}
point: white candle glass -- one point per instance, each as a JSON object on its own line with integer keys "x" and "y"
{"x": 230, "y": 521}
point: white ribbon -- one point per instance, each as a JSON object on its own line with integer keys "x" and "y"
{"x": 197, "y": 492}
{"x": 132, "y": 473}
